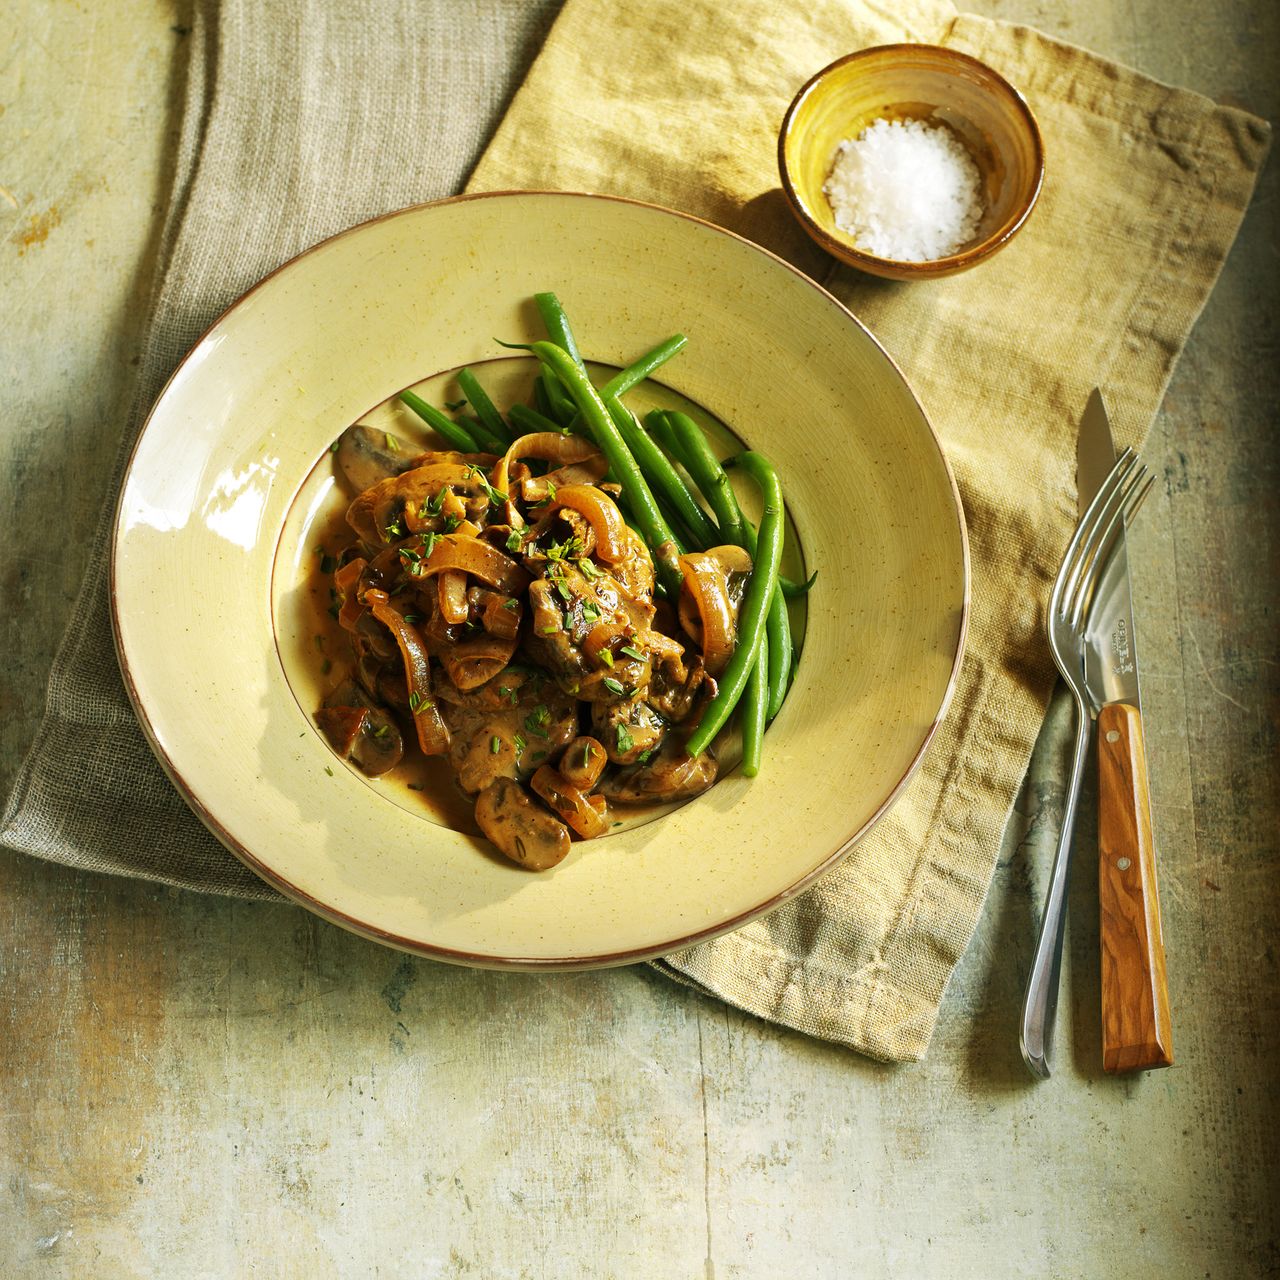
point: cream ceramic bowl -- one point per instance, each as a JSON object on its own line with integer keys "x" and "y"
{"x": 228, "y": 488}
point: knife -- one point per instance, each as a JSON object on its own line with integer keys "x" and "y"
{"x": 1136, "y": 1023}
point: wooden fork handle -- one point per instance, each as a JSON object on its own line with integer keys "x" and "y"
{"x": 1136, "y": 1026}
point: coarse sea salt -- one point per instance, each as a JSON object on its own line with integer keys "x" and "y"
{"x": 905, "y": 190}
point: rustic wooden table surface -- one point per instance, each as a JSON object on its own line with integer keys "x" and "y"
{"x": 192, "y": 1086}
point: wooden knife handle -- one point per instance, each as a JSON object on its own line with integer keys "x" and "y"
{"x": 1136, "y": 1027}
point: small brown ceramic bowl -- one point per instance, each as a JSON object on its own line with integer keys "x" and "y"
{"x": 918, "y": 82}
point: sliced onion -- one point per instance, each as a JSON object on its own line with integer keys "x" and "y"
{"x": 452, "y": 590}
{"x": 536, "y": 488}
{"x": 600, "y": 512}
{"x": 475, "y": 557}
{"x": 433, "y": 735}
{"x": 569, "y": 804}
{"x": 706, "y": 609}
{"x": 604, "y": 635}
{"x": 370, "y": 514}
{"x": 546, "y": 446}
{"x": 342, "y": 726}
{"x": 499, "y": 614}
{"x": 347, "y": 581}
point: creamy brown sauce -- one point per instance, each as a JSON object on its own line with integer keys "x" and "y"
{"x": 317, "y": 655}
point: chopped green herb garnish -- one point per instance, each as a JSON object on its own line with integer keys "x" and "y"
{"x": 394, "y": 529}
{"x": 515, "y": 540}
{"x": 588, "y": 569}
{"x": 623, "y": 737}
{"x": 590, "y": 613}
{"x": 549, "y": 631}
{"x": 495, "y": 745}
{"x": 606, "y": 656}
{"x": 538, "y": 720}
{"x": 613, "y": 686}
{"x": 382, "y": 730}
{"x": 645, "y": 756}
{"x": 392, "y": 443}
{"x": 632, "y": 652}
{"x": 513, "y": 603}
{"x": 434, "y": 504}
{"x": 333, "y": 448}
{"x": 519, "y": 742}
{"x": 451, "y": 523}
{"x": 429, "y": 541}
{"x": 495, "y": 496}
{"x": 417, "y": 702}
{"x": 328, "y": 771}
{"x": 562, "y": 589}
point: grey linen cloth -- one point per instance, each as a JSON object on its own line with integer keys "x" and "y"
{"x": 301, "y": 119}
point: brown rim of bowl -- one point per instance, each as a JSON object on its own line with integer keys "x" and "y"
{"x": 854, "y": 256}
{"x": 529, "y": 963}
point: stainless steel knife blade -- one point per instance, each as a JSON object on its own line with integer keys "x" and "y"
{"x": 1110, "y": 646}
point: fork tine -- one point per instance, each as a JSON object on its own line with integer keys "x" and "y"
{"x": 1118, "y": 472}
{"x": 1080, "y": 589}
{"x": 1132, "y": 499}
{"x": 1109, "y": 497}
{"x": 1102, "y": 528}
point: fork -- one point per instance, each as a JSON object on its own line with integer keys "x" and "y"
{"x": 1117, "y": 500}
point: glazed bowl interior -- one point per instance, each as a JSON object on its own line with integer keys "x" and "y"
{"x": 913, "y": 82}
{"x": 216, "y": 537}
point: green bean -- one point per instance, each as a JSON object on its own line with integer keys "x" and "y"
{"x": 778, "y": 631}
{"x": 557, "y": 323}
{"x": 761, "y": 588}
{"x": 561, "y": 403}
{"x": 659, "y": 428}
{"x": 797, "y": 590}
{"x": 457, "y": 435}
{"x": 531, "y": 420}
{"x": 755, "y": 703}
{"x": 703, "y": 465}
{"x": 485, "y": 409}
{"x": 604, "y": 431}
{"x": 483, "y": 436}
{"x": 706, "y": 470}
{"x": 664, "y": 477}
{"x": 540, "y": 401}
{"x": 639, "y": 370}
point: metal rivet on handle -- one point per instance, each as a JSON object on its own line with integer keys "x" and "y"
{"x": 1113, "y": 735}
{"x": 1124, "y": 864}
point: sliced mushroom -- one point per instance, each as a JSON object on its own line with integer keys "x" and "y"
{"x": 522, "y": 830}
{"x": 672, "y": 774}
{"x": 582, "y": 763}
{"x": 360, "y": 730}
{"x": 366, "y": 456}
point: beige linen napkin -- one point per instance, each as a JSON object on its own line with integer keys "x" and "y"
{"x": 1145, "y": 190}
{"x": 304, "y": 122}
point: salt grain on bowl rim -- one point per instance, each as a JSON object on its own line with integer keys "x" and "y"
{"x": 906, "y": 190}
